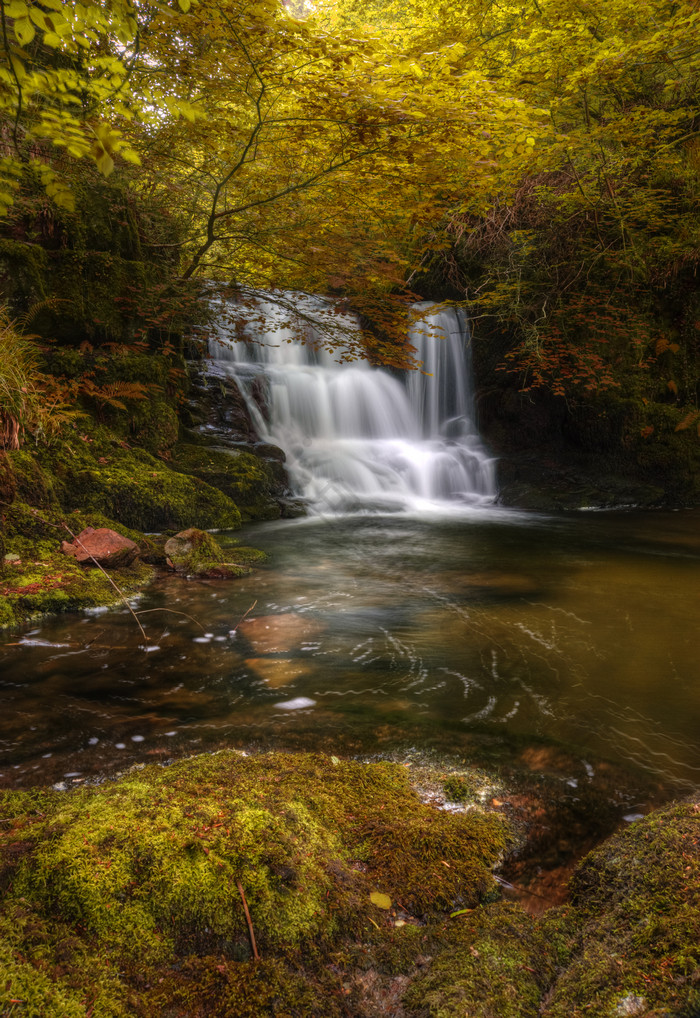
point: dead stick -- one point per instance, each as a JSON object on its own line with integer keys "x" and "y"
{"x": 249, "y": 920}
{"x": 146, "y": 611}
{"x": 243, "y": 617}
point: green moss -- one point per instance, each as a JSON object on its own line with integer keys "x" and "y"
{"x": 97, "y": 473}
{"x": 33, "y": 484}
{"x": 46, "y": 581}
{"x": 245, "y": 556}
{"x": 459, "y": 788}
{"x": 196, "y": 553}
{"x": 23, "y": 272}
{"x": 242, "y": 476}
{"x": 153, "y": 424}
{"x": 636, "y": 913}
{"x": 32, "y": 531}
{"x": 496, "y": 964}
{"x": 136, "y": 883}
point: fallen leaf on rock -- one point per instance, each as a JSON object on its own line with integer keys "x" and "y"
{"x": 380, "y": 900}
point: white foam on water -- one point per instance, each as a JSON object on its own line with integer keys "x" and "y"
{"x": 298, "y": 703}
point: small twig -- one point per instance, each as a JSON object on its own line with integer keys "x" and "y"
{"x": 172, "y": 611}
{"x": 249, "y": 921}
{"x": 243, "y": 617}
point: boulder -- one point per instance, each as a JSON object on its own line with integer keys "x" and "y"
{"x": 196, "y": 553}
{"x": 105, "y": 547}
{"x": 280, "y": 634}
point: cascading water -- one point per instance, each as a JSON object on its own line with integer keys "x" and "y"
{"x": 356, "y": 436}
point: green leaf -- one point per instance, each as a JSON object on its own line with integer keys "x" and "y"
{"x": 380, "y": 900}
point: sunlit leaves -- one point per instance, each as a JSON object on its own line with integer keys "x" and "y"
{"x": 64, "y": 69}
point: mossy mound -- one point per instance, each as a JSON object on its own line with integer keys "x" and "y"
{"x": 626, "y": 945}
{"x": 495, "y": 963}
{"x": 95, "y": 472}
{"x": 245, "y": 478}
{"x": 196, "y": 553}
{"x": 53, "y": 582}
{"x": 42, "y": 579}
{"x": 127, "y": 899}
{"x": 635, "y": 922}
{"x": 30, "y": 529}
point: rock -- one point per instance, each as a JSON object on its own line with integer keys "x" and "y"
{"x": 280, "y": 634}
{"x": 278, "y": 671}
{"x": 196, "y": 553}
{"x": 105, "y": 547}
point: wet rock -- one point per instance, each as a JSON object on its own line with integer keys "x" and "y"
{"x": 277, "y": 671}
{"x": 103, "y": 546}
{"x": 196, "y": 553}
{"x": 279, "y": 634}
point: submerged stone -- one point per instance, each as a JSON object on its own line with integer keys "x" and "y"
{"x": 278, "y": 671}
{"x": 271, "y": 634}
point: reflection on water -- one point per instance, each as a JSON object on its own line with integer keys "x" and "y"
{"x": 377, "y": 631}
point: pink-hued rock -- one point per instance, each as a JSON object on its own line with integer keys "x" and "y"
{"x": 106, "y": 547}
{"x": 280, "y": 634}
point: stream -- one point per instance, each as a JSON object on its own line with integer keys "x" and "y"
{"x": 445, "y": 632}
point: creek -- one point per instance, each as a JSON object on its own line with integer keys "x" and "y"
{"x": 407, "y": 610}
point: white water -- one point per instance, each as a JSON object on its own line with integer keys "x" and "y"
{"x": 356, "y": 436}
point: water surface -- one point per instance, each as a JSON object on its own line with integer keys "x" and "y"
{"x": 371, "y": 632}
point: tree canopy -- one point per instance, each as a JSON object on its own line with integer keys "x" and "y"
{"x": 354, "y": 148}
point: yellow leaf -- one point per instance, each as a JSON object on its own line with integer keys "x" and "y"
{"x": 17, "y": 9}
{"x": 24, "y": 31}
{"x": 105, "y": 163}
{"x": 184, "y": 5}
{"x": 51, "y": 39}
{"x": 380, "y": 900}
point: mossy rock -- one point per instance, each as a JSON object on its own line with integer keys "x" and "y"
{"x": 31, "y": 530}
{"x": 495, "y": 963}
{"x": 627, "y": 944}
{"x": 195, "y": 553}
{"x": 46, "y": 581}
{"x": 127, "y": 899}
{"x": 99, "y": 474}
{"x": 244, "y": 477}
{"x": 635, "y": 921}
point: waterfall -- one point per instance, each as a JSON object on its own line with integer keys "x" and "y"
{"x": 357, "y": 436}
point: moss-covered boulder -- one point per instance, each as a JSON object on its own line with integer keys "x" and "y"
{"x": 634, "y": 923}
{"x": 39, "y": 578}
{"x": 245, "y": 478}
{"x": 627, "y": 944}
{"x": 96, "y": 472}
{"x": 130, "y": 898}
{"x": 195, "y": 553}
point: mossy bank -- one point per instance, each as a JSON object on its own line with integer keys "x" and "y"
{"x": 129, "y": 898}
